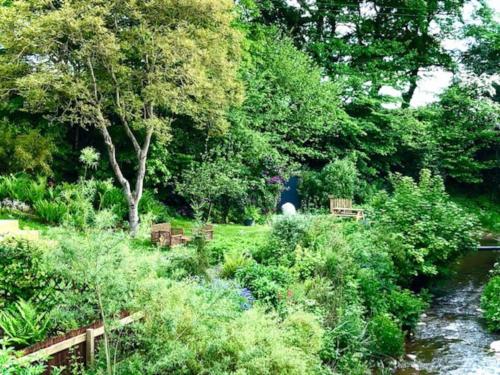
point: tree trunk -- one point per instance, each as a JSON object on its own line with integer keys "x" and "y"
{"x": 133, "y": 196}
{"x": 133, "y": 217}
{"x": 408, "y": 96}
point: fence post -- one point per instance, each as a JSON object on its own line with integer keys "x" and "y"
{"x": 90, "y": 347}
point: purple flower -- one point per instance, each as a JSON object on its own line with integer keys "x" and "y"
{"x": 275, "y": 180}
{"x": 247, "y": 299}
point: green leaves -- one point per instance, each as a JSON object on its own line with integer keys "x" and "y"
{"x": 421, "y": 228}
{"x": 24, "y": 273}
{"x": 23, "y": 325}
{"x": 490, "y": 303}
{"x": 288, "y": 100}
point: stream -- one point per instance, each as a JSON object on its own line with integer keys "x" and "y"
{"x": 451, "y": 337}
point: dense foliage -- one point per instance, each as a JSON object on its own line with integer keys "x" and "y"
{"x": 421, "y": 228}
{"x": 490, "y": 300}
{"x": 209, "y": 107}
{"x": 130, "y": 68}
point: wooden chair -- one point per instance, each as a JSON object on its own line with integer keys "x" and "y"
{"x": 160, "y": 234}
{"x": 164, "y": 235}
{"x": 178, "y": 237}
{"x": 208, "y": 232}
{"x": 343, "y": 208}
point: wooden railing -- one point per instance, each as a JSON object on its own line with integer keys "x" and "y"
{"x": 58, "y": 349}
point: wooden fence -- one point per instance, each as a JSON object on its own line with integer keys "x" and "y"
{"x": 77, "y": 345}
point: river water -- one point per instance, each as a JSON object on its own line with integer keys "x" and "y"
{"x": 451, "y": 337}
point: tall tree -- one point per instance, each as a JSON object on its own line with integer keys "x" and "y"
{"x": 464, "y": 126}
{"x": 371, "y": 42}
{"x": 123, "y": 66}
{"x": 288, "y": 100}
{"x": 483, "y": 55}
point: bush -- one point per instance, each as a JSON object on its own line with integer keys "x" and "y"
{"x": 307, "y": 262}
{"x": 234, "y": 260}
{"x": 149, "y": 204}
{"x": 22, "y": 325}
{"x": 304, "y": 331}
{"x": 23, "y": 188}
{"x": 79, "y": 200}
{"x": 490, "y": 303}
{"x": 338, "y": 178}
{"x": 267, "y": 283}
{"x": 204, "y": 330}
{"x": 10, "y": 364}
{"x": 406, "y": 307}
{"x": 52, "y": 212}
{"x": 112, "y": 198}
{"x": 286, "y": 234}
{"x": 388, "y": 339}
{"x": 180, "y": 263}
{"x": 346, "y": 335}
{"x": 421, "y": 228}
{"x": 24, "y": 273}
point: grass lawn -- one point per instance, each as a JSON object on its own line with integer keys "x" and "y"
{"x": 226, "y": 236}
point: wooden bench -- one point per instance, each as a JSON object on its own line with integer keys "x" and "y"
{"x": 341, "y": 207}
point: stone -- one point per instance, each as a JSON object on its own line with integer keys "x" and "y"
{"x": 495, "y": 346}
{"x": 288, "y": 209}
{"x": 411, "y": 357}
{"x": 451, "y": 327}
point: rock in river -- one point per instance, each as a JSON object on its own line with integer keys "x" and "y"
{"x": 495, "y": 346}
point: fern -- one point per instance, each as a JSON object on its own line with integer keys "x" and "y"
{"x": 23, "y": 325}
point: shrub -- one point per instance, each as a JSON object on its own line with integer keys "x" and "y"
{"x": 338, "y": 178}
{"x": 307, "y": 262}
{"x": 421, "y": 228}
{"x": 149, "y": 204}
{"x": 204, "y": 330}
{"x": 52, "y": 212}
{"x": 490, "y": 303}
{"x": 22, "y": 324}
{"x": 183, "y": 262}
{"x": 23, "y": 188}
{"x": 406, "y": 307}
{"x": 24, "y": 274}
{"x": 387, "y": 336}
{"x": 287, "y": 232}
{"x": 79, "y": 200}
{"x": 112, "y": 198}
{"x": 346, "y": 335}
{"x": 267, "y": 283}
{"x": 10, "y": 364}
{"x": 233, "y": 260}
{"x": 23, "y": 148}
{"x": 304, "y": 331}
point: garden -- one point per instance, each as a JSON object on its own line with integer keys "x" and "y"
{"x": 193, "y": 117}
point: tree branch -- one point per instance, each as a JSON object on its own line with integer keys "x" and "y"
{"x": 141, "y": 172}
{"x": 112, "y": 156}
{"x": 121, "y": 112}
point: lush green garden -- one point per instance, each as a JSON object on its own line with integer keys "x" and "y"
{"x": 123, "y": 114}
{"x": 299, "y": 294}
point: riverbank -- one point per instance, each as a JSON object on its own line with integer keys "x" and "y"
{"x": 452, "y": 337}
